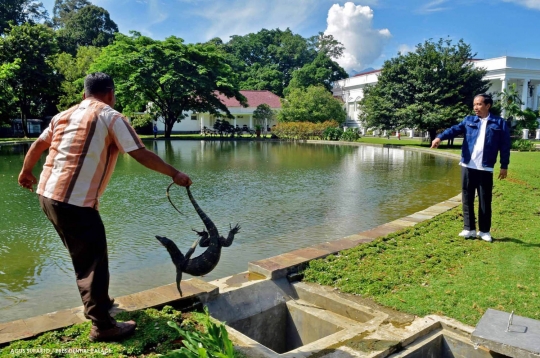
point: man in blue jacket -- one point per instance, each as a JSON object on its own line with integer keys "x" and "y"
{"x": 485, "y": 135}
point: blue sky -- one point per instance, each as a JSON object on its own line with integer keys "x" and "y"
{"x": 371, "y": 30}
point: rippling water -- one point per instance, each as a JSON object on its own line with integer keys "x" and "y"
{"x": 284, "y": 195}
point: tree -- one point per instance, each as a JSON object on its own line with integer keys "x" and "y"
{"x": 8, "y": 98}
{"x": 429, "y": 89}
{"x": 322, "y": 71}
{"x": 314, "y": 104}
{"x": 510, "y": 102}
{"x": 327, "y": 45}
{"x": 528, "y": 120}
{"x": 263, "y": 114}
{"x": 64, "y": 9}
{"x": 21, "y": 11}
{"x": 73, "y": 70}
{"x": 29, "y": 50}
{"x": 89, "y": 26}
{"x": 172, "y": 76}
{"x": 267, "y": 59}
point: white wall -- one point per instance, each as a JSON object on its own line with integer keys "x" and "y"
{"x": 242, "y": 116}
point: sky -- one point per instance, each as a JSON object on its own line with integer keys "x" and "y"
{"x": 371, "y": 30}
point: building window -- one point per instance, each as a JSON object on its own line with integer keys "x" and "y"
{"x": 239, "y": 117}
{"x": 194, "y": 117}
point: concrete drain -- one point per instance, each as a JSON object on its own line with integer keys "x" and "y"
{"x": 276, "y": 318}
{"x": 285, "y": 327}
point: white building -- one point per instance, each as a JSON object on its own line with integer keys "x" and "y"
{"x": 195, "y": 122}
{"x": 502, "y": 71}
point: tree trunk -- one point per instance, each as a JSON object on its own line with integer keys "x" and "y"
{"x": 432, "y": 134}
{"x": 24, "y": 122}
{"x": 169, "y": 122}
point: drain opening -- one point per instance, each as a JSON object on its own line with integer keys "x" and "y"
{"x": 443, "y": 346}
{"x": 285, "y": 327}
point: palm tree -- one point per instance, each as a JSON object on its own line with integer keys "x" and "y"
{"x": 510, "y": 102}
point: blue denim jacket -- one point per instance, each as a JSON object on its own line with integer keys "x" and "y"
{"x": 497, "y": 139}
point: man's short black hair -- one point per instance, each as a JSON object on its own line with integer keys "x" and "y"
{"x": 98, "y": 83}
{"x": 487, "y": 98}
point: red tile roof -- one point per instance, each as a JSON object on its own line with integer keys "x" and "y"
{"x": 254, "y": 98}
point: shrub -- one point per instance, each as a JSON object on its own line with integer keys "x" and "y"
{"x": 302, "y": 130}
{"x": 142, "y": 123}
{"x": 332, "y": 133}
{"x": 523, "y": 145}
{"x": 350, "y": 135}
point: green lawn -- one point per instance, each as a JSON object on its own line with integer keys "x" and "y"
{"x": 429, "y": 269}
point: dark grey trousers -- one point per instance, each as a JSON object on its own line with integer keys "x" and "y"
{"x": 473, "y": 181}
{"x": 83, "y": 234}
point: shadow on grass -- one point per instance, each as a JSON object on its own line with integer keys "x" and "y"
{"x": 516, "y": 241}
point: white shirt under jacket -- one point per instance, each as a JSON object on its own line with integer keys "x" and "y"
{"x": 478, "y": 150}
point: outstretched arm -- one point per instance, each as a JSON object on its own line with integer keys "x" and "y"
{"x": 152, "y": 161}
{"x": 26, "y": 177}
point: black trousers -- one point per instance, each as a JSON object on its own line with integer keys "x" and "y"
{"x": 473, "y": 180}
{"x": 83, "y": 234}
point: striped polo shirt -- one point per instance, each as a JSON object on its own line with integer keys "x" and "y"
{"x": 84, "y": 144}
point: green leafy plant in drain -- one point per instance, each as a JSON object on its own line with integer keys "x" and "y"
{"x": 214, "y": 343}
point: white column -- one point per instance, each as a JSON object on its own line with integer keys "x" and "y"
{"x": 234, "y": 124}
{"x": 411, "y": 133}
{"x": 524, "y": 93}
{"x": 535, "y": 96}
{"x": 251, "y": 121}
{"x": 537, "y": 134}
{"x": 202, "y": 123}
{"x": 504, "y": 86}
{"x": 525, "y": 134}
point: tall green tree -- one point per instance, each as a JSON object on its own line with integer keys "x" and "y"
{"x": 74, "y": 69}
{"x": 8, "y": 98}
{"x": 170, "y": 75}
{"x": 30, "y": 51}
{"x": 21, "y": 11}
{"x": 327, "y": 45}
{"x": 268, "y": 59}
{"x": 88, "y": 26}
{"x": 428, "y": 89}
{"x": 63, "y": 10}
{"x": 322, "y": 71}
{"x": 313, "y": 104}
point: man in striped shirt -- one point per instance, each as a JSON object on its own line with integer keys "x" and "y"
{"x": 84, "y": 143}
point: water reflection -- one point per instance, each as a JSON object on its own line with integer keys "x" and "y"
{"x": 284, "y": 195}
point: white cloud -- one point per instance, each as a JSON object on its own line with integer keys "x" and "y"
{"x": 531, "y": 4}
{"x": 352, "y": 25}
{"x": 433, "y": 6}
{"x": 406, "y": 48}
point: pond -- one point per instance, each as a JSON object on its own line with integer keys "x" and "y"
{"x": 284, "y": 195}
